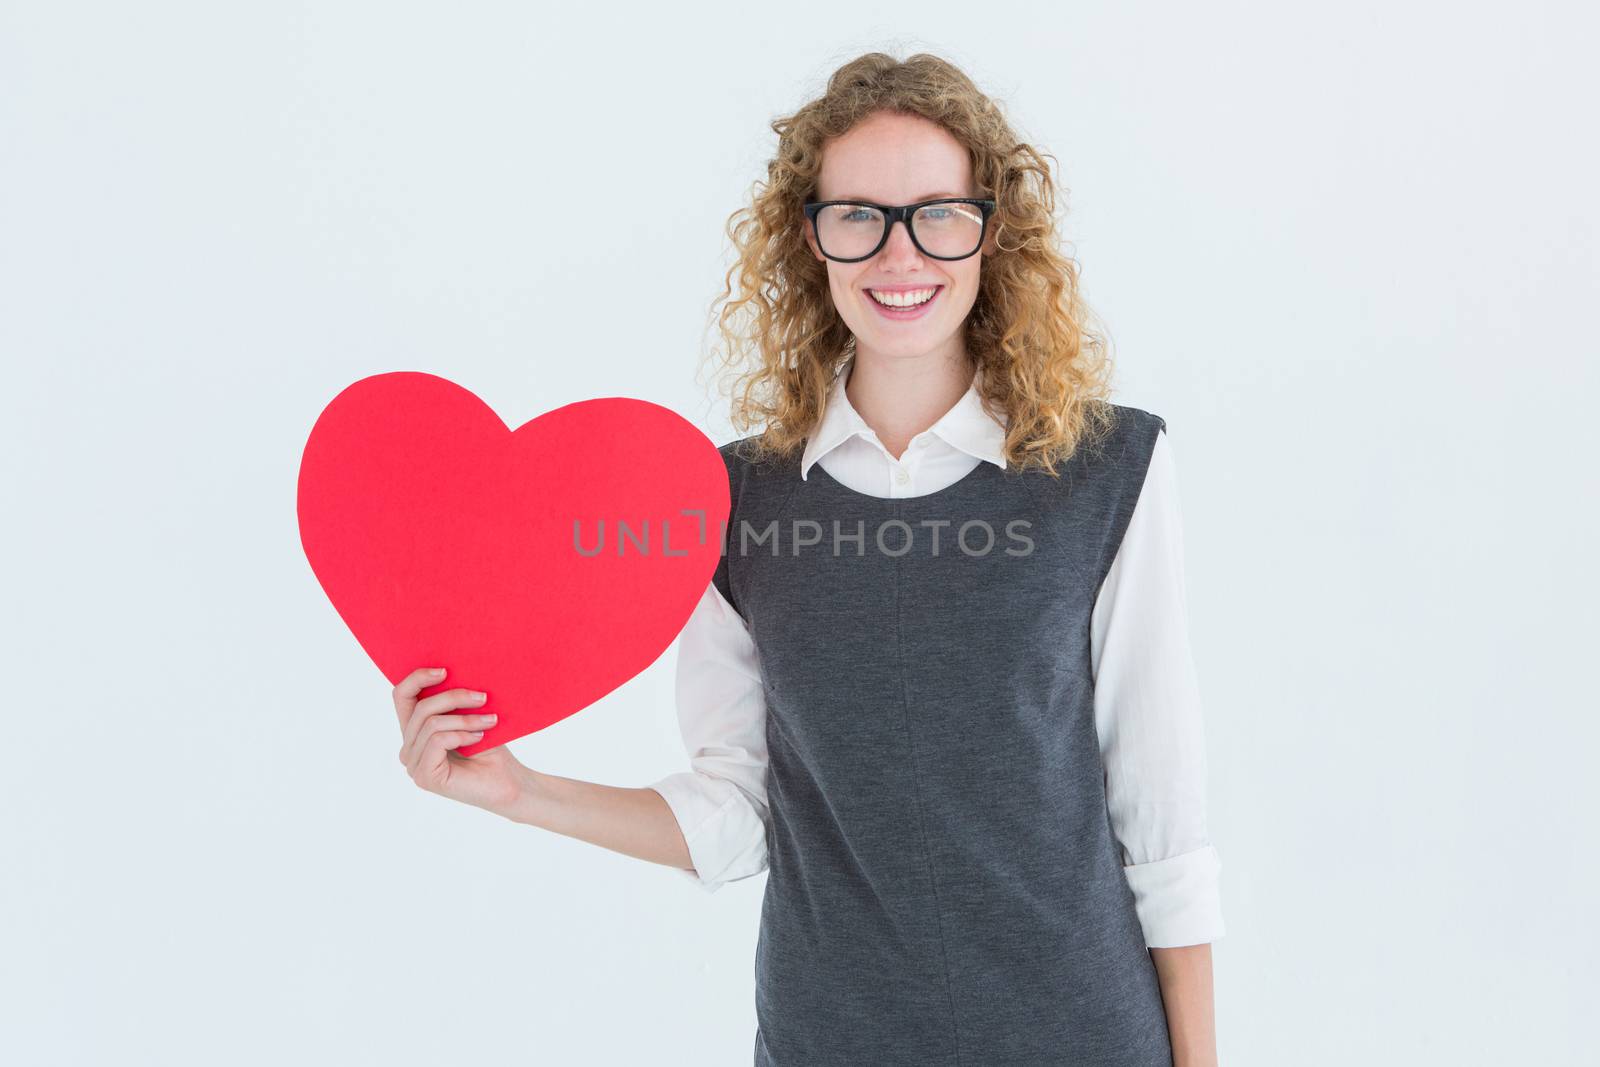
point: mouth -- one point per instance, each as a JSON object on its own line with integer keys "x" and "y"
{"x": 910, "y": 304}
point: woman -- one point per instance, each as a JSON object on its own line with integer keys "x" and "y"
{"x": 947, "y": 699}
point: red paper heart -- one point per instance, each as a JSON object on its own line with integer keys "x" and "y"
{"x": 445, "y": 539}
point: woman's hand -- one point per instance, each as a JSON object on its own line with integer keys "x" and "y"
{"x": 493, "y": 779}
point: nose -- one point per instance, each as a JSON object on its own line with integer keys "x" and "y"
{"x": 900, "y": 248}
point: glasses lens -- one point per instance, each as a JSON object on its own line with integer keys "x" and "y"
{"x": 849, "y": 231}
{"x": 948, "y": 229}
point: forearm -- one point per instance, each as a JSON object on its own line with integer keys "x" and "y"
{"x": 1186, "y": 990}
{"x": 634, "y": 822}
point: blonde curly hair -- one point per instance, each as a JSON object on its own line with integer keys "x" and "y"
{"x": 1028, "y": 331}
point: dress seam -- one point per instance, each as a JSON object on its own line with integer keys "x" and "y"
{"x": 922, "y": 828}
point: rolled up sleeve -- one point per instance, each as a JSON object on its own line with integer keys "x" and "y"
{"x": 1149, "y": 718}
{"x": 720, "y": 802}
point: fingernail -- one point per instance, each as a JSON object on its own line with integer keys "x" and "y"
{"x": 477, "y": 733}
{"x": 437, "y": 670}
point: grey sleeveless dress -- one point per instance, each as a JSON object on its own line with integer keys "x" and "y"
{"x": 944, "y": 888}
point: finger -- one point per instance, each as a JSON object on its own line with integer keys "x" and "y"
{"x": 435, "y": 750}
{"x": 458, "y": 722}
{"x": 474, "y": 723}
{"x": 405, "y": 693}
{"x": 437, "y": 703}
{"x": 477, "y": 725}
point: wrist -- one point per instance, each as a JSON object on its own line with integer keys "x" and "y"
{"x": 527, "y": 803}
{"x": 1187, "y": 1054}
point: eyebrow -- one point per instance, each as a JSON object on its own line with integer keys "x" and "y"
{"x": 918, "y": 200}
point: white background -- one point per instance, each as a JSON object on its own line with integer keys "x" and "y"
{"x": 1346, "y": 250}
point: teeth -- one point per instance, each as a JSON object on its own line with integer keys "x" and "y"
{"x": 910, "y": 298}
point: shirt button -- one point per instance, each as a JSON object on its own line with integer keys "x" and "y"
{"x": 901, "y": 476}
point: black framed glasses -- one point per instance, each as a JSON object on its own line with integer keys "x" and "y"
{"x": 848, "y": 231}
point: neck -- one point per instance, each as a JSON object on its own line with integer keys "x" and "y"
{"x": 899, "y": 397}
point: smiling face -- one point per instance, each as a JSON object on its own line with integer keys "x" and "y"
{"x": 892, "y": 158}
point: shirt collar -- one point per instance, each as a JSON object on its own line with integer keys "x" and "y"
{"x": 966, "y": 426}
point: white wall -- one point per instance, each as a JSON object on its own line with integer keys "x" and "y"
{"x": 1347, "y": 251}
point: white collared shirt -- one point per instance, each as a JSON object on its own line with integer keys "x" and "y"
{"x": 1148, "y": 713}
